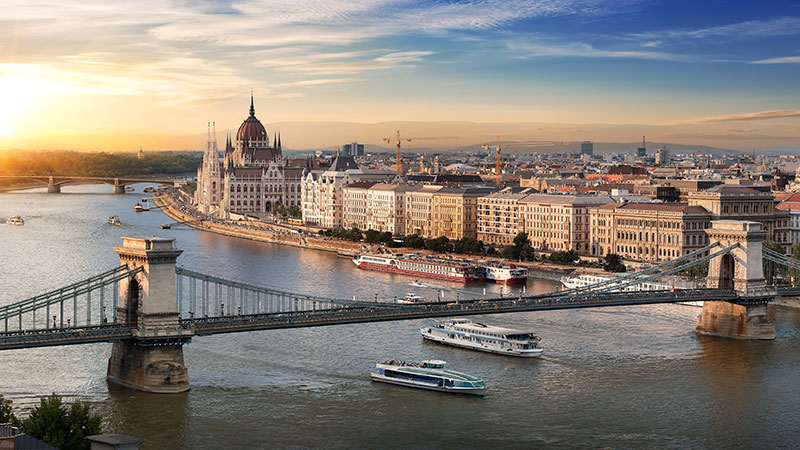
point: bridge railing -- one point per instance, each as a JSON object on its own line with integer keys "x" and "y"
{"x": 89, "y": 302}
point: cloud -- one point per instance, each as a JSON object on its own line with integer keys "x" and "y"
{"x": 782, "y": 26}
{"x": 318, "y": 82}
{"x": 762, "y": 115}
{"x": 782, "y": 60}
{"x": 535, "y": 49}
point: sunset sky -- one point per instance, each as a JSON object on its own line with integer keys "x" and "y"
{"x": 91, "y": 75}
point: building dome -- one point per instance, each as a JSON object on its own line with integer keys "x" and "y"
{"x": 252, "y": 129}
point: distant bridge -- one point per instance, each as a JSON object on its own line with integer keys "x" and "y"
{"x": 55, "y": 182}
{"x": 149, "y": 307}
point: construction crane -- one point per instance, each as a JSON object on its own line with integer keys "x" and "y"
{"x": 498, "y": 174}
{"x": 498, "y": 162}
{"x": 398, "y": 140}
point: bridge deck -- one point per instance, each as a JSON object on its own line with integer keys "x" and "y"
{"x": 362, "y": 314}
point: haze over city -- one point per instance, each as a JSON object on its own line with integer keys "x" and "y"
{"x": 95, "y": 75}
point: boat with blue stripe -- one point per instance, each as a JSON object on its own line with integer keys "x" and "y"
{"x": 429, "y": 375}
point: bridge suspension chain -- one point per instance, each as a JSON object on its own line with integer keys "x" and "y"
{"x": 229, "y": 297}
{"x": 25, "y": 312}
{"x": 667, "y": 272}
{"x": 615, "y": 282}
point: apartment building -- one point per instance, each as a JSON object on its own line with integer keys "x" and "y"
{"x": 419, "y": 211}
{"x": 455, "y": 212}
{"x": 558, "y": 222}
{"x": 356, "y": 205}
{"x": 648, "y": 232}
{"x": 321, "y": 191}
{"x": 498, "y": 216}
{"x": 386, "y": 207}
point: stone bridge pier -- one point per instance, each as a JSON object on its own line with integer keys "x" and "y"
{"x": 52, "y": 187}
{"x": 740, "y": 270}
{"x": 119, "y": 188}
{"x": 153, "y": 360}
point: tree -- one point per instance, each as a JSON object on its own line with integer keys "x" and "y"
{"x": 6, "y": 412}
{"x": 281, "y": 211}
{"x": 527, "y": 253}
{"x": 614, "y": 263}
{"x": 190, "y": 187}
{"x": 62, "y": 425}
{"x": 468, "y": 246}
{"x": 564, "y": 257}
{"x": 510, "y": 252}
{"x": 521, "y": 239}
{"x": 441, "y": 244}
{"x": 294, "y": 212}
{"x": 372, "y": 236}
{"x": 414, "y": 241}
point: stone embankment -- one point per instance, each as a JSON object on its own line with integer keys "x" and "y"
{"x": 276, "y": 235}
{"x": 283, "y": 235}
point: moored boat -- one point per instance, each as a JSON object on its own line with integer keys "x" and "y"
{"x": 15, "y": 220}
{"x": 411, "y": 299}
{"x": 417, "y": 265}
{"x": 505, "y": 273}
{"x": 429, "y": 375}
{"x": 129, "y": 189}
{"x": 486, "y": 338}
{"x": 166, "y": 226}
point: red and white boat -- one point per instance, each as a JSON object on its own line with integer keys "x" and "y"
{"x": 505, "y": 273}
{"x": 419, "y": 266}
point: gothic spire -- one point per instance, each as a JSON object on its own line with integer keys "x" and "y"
{"x": 252, "y": 108}
{"x": 279, "y": 140}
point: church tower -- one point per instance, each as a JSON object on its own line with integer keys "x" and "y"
{"x": 209, "y": 180}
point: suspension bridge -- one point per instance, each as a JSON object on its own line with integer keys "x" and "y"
{"x": 149, "y": 307}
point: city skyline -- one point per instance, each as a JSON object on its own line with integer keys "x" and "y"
{"x": 113, "y": 77}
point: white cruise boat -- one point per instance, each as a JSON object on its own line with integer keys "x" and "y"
{"x": 15, "y": 220}
{"x": 429, "y": 375}
{"x": 505, "y": 273}
{"x": 114, "y": 220}
{"x": 485, "y": 338}
{"x": 670, "y": 284}
{"x": 411, "y": 299}
{"x": 417, "y": 265}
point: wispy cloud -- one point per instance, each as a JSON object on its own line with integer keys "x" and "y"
{"x": 318, "y": 82}
{"x": 781, "y": 60}
{"x": 536, "y": 49}
{"x": 782, "y": 26}
{"x": 761, "y": 115}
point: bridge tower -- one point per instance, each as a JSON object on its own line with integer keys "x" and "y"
{"x": 153, "y": 360}
{"x": 740, "y": 270}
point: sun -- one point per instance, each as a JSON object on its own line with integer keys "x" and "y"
{"x": 20, "y": 93}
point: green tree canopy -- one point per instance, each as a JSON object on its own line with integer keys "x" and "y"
{"x": 564, "y": 257}
{"x": 414, "y": 241}
{"x": 62, "y": 425}
{"x": 614, "y": 263}
{"x": 6, "y": 412}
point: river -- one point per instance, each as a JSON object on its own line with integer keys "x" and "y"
{"x": 621, "y": 377}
